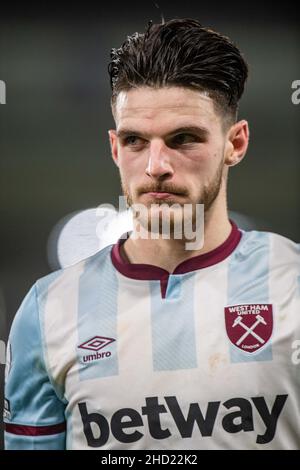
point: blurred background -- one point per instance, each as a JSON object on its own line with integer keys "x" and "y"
{"x": 54, "y": 151}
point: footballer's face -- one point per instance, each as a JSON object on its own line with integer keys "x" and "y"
{"x": 171, "y": 147}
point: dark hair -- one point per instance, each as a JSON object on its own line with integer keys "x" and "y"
{"x": 181, "y": 52}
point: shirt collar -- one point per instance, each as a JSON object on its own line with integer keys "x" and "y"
{"x": 150, "y": 272}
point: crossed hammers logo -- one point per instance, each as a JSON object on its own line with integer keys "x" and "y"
{"x": 249, "y": 331}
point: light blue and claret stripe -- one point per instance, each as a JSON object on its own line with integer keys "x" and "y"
{"x": 173, "y": 323}
{"x": 248, "y": 283}
{"x": 97, "y": 313}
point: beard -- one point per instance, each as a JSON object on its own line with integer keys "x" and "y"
{"x": 165, "y": 216}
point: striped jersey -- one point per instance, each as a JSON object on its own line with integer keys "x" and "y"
{"x": 107, "y": 355}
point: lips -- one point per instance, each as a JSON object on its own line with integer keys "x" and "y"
{"x": 161, "y": 195}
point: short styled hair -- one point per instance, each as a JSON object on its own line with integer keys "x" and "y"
{"x": 181, "y": 52}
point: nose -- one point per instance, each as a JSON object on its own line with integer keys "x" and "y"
{"x": 159, "y": 161}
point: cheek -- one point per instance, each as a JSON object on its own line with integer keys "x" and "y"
{"x": 200, "y": 167}
{"x": 129, "y": 171}
{"x": 132, "y": 163}
{"x": 200, "y": 162}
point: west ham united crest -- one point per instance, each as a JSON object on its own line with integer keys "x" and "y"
{"x": 249, "y": 326}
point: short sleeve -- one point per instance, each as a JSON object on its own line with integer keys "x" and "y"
{"x": 34, "y": 415}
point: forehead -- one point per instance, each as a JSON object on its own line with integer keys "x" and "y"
{"x": 164, "y": 107}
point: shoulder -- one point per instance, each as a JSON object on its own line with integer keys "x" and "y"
{"x": 279, "y": 249}
{"x": 54, "y": 296}
{"x": 67, "y": 278}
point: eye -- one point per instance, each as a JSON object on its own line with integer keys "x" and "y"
{"x": 182, "y": 139}
{"x": 132, "y": 140}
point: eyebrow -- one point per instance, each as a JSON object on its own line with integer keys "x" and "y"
{"x": 202, "y": 131}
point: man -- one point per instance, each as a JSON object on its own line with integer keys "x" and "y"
{"x": 146, "y": 344}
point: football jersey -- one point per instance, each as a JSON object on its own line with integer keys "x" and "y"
{"x": 105, "y": 354}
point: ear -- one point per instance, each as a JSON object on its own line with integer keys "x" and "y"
{"x": 113, "y": 145}
{"x": 237, "y": 143}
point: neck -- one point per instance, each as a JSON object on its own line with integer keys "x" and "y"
{"x": 168, "y": 254}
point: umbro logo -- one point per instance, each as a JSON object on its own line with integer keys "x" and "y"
{"x": 95, "y": 344}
